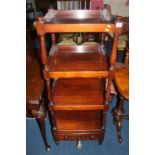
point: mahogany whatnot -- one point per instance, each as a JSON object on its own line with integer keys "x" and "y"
{"x": 75, "y": 75}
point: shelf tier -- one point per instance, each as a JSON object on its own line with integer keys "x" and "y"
{"x": 78, "y": 120}
{"x": 77, "y": 61}
{"x": 78, "y": 94}
{"x": 76, "y": 21}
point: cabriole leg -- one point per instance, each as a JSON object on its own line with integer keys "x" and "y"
{"x": 118, "y": 116}
{"x": 40, "y": 117}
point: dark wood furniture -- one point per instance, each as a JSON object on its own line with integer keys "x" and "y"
{"x": 35, "y": 96}
{"x": 121, "y": 79}
{"x": 78, "y": 97}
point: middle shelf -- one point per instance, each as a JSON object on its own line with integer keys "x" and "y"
{"x": 78, "y": 94}
{"x": 77, "y": 61}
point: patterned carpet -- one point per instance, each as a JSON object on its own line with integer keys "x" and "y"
{"x": 110, "y": 146}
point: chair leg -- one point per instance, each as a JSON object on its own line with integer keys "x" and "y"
{"x": 100, "y": 141}
{"x": 40, "y": 117}
{"x": 41, "y": 123}
{"x": 118, "y": 116}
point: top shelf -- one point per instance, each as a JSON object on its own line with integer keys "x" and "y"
{"x": 75, "y": 16}
{"x": 60, "y": 21}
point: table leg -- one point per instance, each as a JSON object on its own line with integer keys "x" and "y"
{"x": 40, "y": 117}
{"x": 118, "y": 116}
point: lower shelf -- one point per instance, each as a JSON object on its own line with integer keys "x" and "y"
{"x": 78, "y": 120}
{"x": 87, "y": 125}
{"x": 78, "y": 111}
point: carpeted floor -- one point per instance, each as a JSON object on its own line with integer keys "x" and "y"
{"x": 110, "y": 146}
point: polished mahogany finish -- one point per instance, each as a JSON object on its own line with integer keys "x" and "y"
{"x": 34, "y": 81}
{"x": 122, "y": 83}
{"x": 77, "y": 21}
{"x": 35, "y": 101}
{"x": 78, "y": 109}
{"x": 78, "y": 98}
{"x": 121, "y": 79}
{"x": 78, "y": 91}
{"x": 77, "y": 59}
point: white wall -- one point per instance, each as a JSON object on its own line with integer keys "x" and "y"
{"x": 118, "y": 7}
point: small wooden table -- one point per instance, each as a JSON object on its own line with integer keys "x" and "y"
{"x": 35, "y": 96}
{"x": 121, "y": 79}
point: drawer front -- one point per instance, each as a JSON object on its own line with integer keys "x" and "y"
{"x": 87, "y": 135}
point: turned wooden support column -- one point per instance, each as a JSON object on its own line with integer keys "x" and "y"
{"x": 44, "y": 57}
{"x": 102, "y": 38}
{"x": 127, "y": 56}
{"x": 108, "y": 86}
{"x": 46, "y": 68}
{"x": 41, "y": 33}
{"x": 114, "y": 50}
{"x": 103, "y": 124}
{"x": 108, "y": 91}
{"x": 49, "y": 91}
{"x": 108, "y": 96}
{"x": 53, "y": 39}
{"x": 53, "y": 123}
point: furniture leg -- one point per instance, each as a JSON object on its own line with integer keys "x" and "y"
{"x": 118, "y": 116}
{"x": 41, "y": 123}
{"x": 100, "y": 141}
{"x": 40, "y": 117}
{"x": 53, "y": 130}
